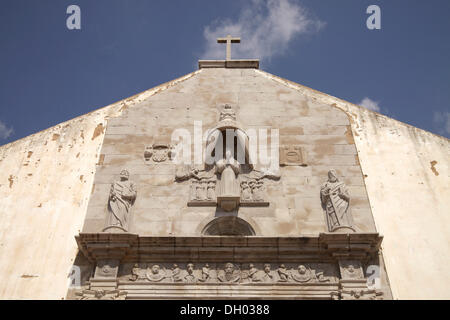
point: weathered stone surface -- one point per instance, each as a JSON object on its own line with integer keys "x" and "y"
{"x": 46, "y": 192}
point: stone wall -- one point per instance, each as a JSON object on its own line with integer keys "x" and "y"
{"x": 45, "y": 183}
{"x": 161, "y": 207}
{"x": 406, "y": 173}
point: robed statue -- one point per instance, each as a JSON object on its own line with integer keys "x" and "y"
{"x": 228, "y": 188}
{"x": 121, "y": 198}
{"x": 335, "y": 201}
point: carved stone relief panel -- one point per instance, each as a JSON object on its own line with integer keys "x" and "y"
{"x": 230, "y": 273}
{"x": 351, "y": 270}
{"x": 106, "y": 269}
{"x": 292, "y": 155}
{"x": 158, "y": 152}
{"x": 253, "y": 193}
{"x": 100, "y": 294}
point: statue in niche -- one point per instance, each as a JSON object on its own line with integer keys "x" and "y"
{"x": 190, "y": 277}
{"x": 121, "y": 198}
{"x": 335, "y": 201}
{"x": 228, "y": 187}
{"x": 229, "y": 274}
{"x": 302, "y": 274}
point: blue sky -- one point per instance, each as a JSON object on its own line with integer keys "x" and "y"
{"x": 50, "y": 74}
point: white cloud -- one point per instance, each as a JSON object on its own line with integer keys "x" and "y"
{"x": 442, "y": 121}
{"x": 266, "y": 28}
{"x": 5, "y": 132}
{"x": 370, "y": 104}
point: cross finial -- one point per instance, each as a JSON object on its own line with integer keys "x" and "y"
{"x": 228, "y": 40}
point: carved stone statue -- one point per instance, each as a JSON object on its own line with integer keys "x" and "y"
{"x": 121, "y": 198}
{"x": 335, "y": 201}
{"x": 228, "y": 189}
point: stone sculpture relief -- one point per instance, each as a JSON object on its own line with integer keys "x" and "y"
{"x": 335, "y": 202}
{"x": 202, "y": 192}
{"x": 121, "y": 198}
{"x": 101, "y": 295}
{"x": 158, "y": 152}
{"x": 351, "y": 269}
{"x": 292, "y": 155}
{"x": 230, "y": 273}
{"x": 155, "y": 274}
{"x": 252, "y": 191}
{"x": 226, "y": 182}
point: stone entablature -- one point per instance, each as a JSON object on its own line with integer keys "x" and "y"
{"x": 329, "y": 266}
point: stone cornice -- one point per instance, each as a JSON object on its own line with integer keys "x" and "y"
{"x": 245, "y": 64}
{"x": 325, "y": 247}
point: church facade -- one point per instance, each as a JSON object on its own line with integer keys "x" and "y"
{"x": 227, "y": 183}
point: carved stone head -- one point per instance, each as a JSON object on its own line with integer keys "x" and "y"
{"x": 267, "y": 268}
{"x": 301, "y": 269}
{"x": 190, "y": 268}
{"x": 124, "y": 175}
{"x": 229, "y": 268}
{"x": 332, "y": 176}
{"x": 155, "y": 269}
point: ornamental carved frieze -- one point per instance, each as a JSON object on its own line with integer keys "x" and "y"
{"x": 100, "y": 294}
{"x": 230, "y": 273}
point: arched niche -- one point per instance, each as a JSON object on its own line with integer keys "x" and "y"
{"x": 228, "y": 226}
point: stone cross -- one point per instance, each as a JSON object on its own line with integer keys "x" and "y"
{"x": 228, "y": 40}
